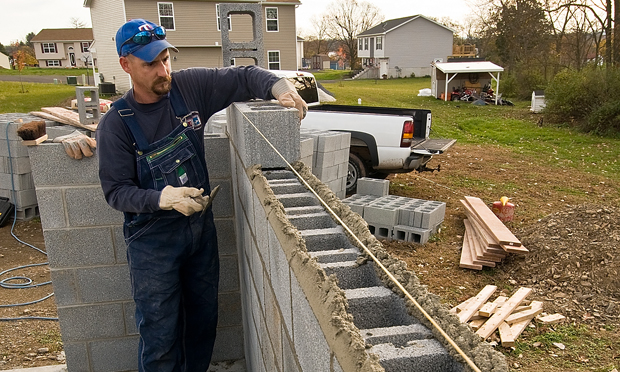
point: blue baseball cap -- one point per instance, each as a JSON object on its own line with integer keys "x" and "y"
{"x": 125, "y": 44}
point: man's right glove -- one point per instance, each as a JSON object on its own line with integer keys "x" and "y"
{"x": 180, "y": 199}
{"x": 286, "y": 94}
{"x": 77, "y": 144}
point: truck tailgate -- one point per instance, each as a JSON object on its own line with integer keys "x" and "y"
{"x": 434, "y": 146}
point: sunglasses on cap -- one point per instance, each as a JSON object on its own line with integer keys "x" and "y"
{"x": 146, "y": 36}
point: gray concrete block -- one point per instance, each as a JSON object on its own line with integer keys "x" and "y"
{"x": 229, "y": 344}
{"x": 51, "y": 208}
{"x": 77, "y": 356}
{"x": 290, "y": 363}
{"x": 419, "y": 355}
{"x": 266, "y": 347}
{"x": 319, "y": 220}
{"x": 337, "y": 255}
{"x": 327, "y": 173}
{"x": 79, "y": 247}
{"x": 280, "y": 277}
{"x": 13, "y": 149}
{"x": 376, "y": 214}
{"x": 16, "y": 181}
{"x": 377, "y": 307}
{"x": 120, "y": 248}
{"x": 129, "y": 311}
{"x": 381, "y": 231}
{"x": 229, "y": 309}
{"x": 222, "y": 204}
{"x": 293, "y": 211}
{"x": 324, "y": 159}
{"x": 8, "y": 129}
{"x": 260, "y": 231}
{"x": 86, "y": 206}
{"x": 87, "y": 322}
{"x": 399, "y": 336}
{"x": 298, "y": 200}
{"x": 229, "y": 274}
{"x": 226, "y": 236}
{"x": 329, "y": 142}
{"x": 288, "y": 188}
{"x": 325, "y": 239}
{"x": 371, "y": 186}
{"x": 306, "y": 147}
{"x": 104, "y": 283}
{"x": 65, "y": 287}
{"x": 247, "y": 49}
{"x": 273, "y": 325}
{"x": 310, "y": 344}
{"x": 20, "y": 198}
{"x": 273, "y": 121}
{"x": 411, "y": 234}
{"x": 217, "y": 156}
{"x": 60, "y": 130}
{"x": 119, "y": 354}
{"x": 51, "y": 166}
{"x": 345, "y": 140}
{"x": 341, "y": 156}
{"x": 351, "y": 275}
{"x": 15, "y": 165}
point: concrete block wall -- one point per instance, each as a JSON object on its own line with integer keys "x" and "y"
{"x": 330, "y": 158}
{"x": 87, "y": 255}
{"x": 396, "y": 217}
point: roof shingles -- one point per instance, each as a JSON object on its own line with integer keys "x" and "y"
{"x": 64, "y": 34}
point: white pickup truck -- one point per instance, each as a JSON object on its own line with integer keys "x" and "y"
{"x": 383, "y": 140}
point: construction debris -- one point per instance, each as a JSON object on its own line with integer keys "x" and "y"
{"x": 64, "y": 116}
{"x": 510, "y": 316}
{"x": 487, "y": 240}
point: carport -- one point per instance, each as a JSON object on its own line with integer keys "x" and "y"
{"x": 444, "y": 72}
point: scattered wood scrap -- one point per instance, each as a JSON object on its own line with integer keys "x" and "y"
{"x": 487, "y": 241}
{"x": 62, "y": 115}
{"x": 509, "y": 316}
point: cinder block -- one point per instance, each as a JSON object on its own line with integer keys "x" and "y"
{"x": 60, "y": 130}
{"x": 129, "y": 309}
{"x": 377, "y": 307}
{"x": 325, "y": 239}
{"x": 229, "y": 309}
{"x": 77, "y": 356}
{"x": 16, "y": 181}
{"x": 52, "y": 167}
{"x": 386, "y": 215}
{"x": 228, "y": 344}
{"x": 329, "y": 142}
{"x": 87, "y": 322}
{"x": 351, "y": 275}
{"x": 320, "y": 220}
{"x": 13, "y": 149}
{"x": 341, "y": 156}
{"x": 119, "y": 354}
{"x": 279, "y": 271}
{"x": 15, "y": 165}
{"x": 337, "y": 255}
{"x": 26, "y": 212}
{"x": 226, "y": 236}
{"x": 289, "y": 360}
{"x": 380, "y": 231}
{"x": 65, "y": 287}
{"x": 21, "y": 197}
{"x": 345, "y": 140}
{"x": 421, "y": 355}
{"x": 278, "y": 124}
{"x": 229, "y": 274}
{"x": 104, "y": 283}
{"x": 217, "y": 156}
{"x": 67, "y": 248}
{"x": 324, "y": 159}
{"x": 306, "y": 146}
{"x": 120, "y": 248}
{"x": 399, "y": 336}
{"x": 222, "y": 204}
{"x": 86, "y": 206}
{"x": 411, "y": 234}
{"x": 371, "y": 186}
{"x": 326, "y": 174}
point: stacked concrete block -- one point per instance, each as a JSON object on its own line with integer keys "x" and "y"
{"x": 401, "y": 341}
{"x": 306, "y": 150}
{"x": 87, "y": 255}
{"x": 372, "y": 186}
{"x": 330, "y": 158}
{"x": 397, "y": 217}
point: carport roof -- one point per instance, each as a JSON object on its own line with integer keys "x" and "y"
{"x": 465, "y": 67}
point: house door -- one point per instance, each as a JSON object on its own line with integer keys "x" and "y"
{"x": 72, "y": 59}
{"x": 372, "y": 48}
{"x": 383, "y": 70}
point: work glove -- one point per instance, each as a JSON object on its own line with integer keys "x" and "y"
{"x": 77, "y": 144}
{"x": 287, "y": 96}
{"x": 180, "y": 199}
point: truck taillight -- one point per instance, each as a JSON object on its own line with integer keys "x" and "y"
{"x": 407, "y": 134}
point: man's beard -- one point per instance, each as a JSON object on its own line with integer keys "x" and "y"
{"x": 162, "y": 85}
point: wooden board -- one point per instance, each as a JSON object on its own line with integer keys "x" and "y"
{"x": 512, "y": 249}
{"x": 515, "y": 330}
{"x": 484, "y": 236}
{"x": 553, "y": 318}
{"x": 489, "y": 308}
{"x": 473, "y": 307}
{"x": 467, "y": 261}
{"x": 477, "y": 250}
{"x": 72, "y": 118}
{"x": 522, "y": 315}
{"x": 458, "y": 308}
{"x": 503, "y": 312}
{"x": 496, "y": 227}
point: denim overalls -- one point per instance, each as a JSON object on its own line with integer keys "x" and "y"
{"x": 173, "y": 259}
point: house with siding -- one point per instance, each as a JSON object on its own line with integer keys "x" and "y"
{"x": 194, "y": 28}
{"x": 64, "y": 47}
{"x": 404, "y": 46}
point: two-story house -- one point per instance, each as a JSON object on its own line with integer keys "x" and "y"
{"x": 404, "y": 46}
{"x": 63, "y": 47}
{"x": 194, "y": 28}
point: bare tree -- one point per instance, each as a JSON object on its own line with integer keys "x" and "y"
{"x": 348, "y": 18}
{"x": 77, "y": 23}
{"x": 319, "y": 25}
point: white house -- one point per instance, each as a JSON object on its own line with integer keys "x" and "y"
{"x": 404, "y": 46}
{"x": 4, "y": 61}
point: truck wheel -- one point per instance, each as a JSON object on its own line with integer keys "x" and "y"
{"x": 357, "y": 170}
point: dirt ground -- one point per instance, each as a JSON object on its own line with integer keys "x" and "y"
{"x": 569, "y": 220}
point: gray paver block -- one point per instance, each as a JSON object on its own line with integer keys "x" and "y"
{"x": 119, "y": 354}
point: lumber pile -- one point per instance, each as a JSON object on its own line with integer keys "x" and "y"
{"x": 487, "y": 241}
{"x": 509, "y": 316}
{"x": 62, "y": 115}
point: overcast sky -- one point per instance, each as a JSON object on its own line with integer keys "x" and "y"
{"x": 19, "y": 17}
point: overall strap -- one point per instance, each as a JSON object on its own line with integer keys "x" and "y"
{"x": 129, "y": 118}
{"x": 177, "y": 101}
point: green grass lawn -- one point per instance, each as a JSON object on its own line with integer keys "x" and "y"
{"x": 48, "y": 71}
{"x": 35, "y": 96}
{"x": 515, "y": 128}
{"x": 331, "y": 74}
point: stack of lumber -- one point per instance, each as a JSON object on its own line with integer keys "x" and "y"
{"x": 487, "y": 240}
{"x": 508, "y": 315}
{"x": 62, "y": 115}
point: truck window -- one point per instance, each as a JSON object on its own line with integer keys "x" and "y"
{"x": 306, "y": 87}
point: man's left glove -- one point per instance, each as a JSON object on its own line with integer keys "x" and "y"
{"x": 77, "y": 144}
{"x": 287, "y": 96}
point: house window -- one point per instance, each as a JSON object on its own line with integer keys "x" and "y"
{"x": 360, "y": 44}
{"x": 219, "y": 25}
{"x": 365, "y": 43}
{"x": 379, "y": 42}
{"x": 274, "y": 59}
{"x": 232, "y": 62}
{"x": 52, "y": 63}
{"x": 85, "y": 45}
{"x": 166, "y": 15}
{"x": 271, "y": 15}
{"x": 48, "y": 47}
